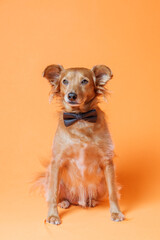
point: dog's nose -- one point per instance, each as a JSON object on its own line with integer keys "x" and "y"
{"x": 72, "y": 96}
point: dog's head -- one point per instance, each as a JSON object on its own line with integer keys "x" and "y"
{"x": 77, "y": 86}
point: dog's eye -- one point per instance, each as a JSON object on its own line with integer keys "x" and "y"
{"x": 65, "y": 81}
{"x": 84, "y": 81}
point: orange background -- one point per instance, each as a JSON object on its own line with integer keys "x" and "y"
{"x": 125, "y": 36}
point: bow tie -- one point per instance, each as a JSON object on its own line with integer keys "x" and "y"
{"x": 70, "y": 118}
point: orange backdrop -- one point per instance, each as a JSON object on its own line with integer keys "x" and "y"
{"x": 125, "y": 36}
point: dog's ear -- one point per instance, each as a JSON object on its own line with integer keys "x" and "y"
{"x": 52, "y": 73}
{"x": 102, "y": 74}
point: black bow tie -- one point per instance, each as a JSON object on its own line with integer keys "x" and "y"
{"x": 70, "y": 118}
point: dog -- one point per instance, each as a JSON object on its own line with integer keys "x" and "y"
{"x": 81, "y": 168}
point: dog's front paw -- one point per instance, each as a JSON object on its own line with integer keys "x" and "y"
{"x": 53, "y": 220}
{"x": 117, "y": 216}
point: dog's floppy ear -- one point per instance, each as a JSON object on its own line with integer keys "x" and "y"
{"x": 52, "y": 73}
{"x": 102, "y": 75}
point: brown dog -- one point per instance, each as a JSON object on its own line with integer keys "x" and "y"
{"x": 81, "y": 167}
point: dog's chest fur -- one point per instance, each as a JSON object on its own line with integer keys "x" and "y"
{"x": 84, "y": 147}
{"x": 82, "y": 175}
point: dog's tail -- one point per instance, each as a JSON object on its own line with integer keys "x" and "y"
{"x": 40, "y": 183}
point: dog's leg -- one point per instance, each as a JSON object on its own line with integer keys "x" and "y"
{"x": 116, "y": 214}
{"x": 53, "y": 216}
